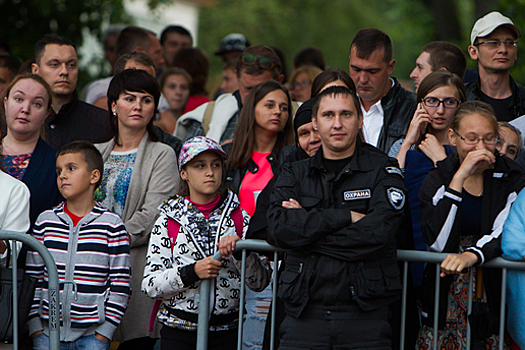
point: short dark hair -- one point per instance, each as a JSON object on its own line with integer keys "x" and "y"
{"x": 134, "y": 80}
{"x": 139, "y": 57}
{"x": 173, "y": 71}
{"x": 50, "y": 39}
{"x": 368, "y": 40}
{"x": 194, "y": 61}
{"x": 446, "y": 55}
{"x": 328, "y": 76}
{"x": 174, "y": 29}
{"x": 309, "y": 56}
{"x": 255, "y": 69}
{"x": 11, "y": 63}
{"x": 111, "y": 31}
{"x": 334, "y": 91}
{"x": 91, "y": 155}
{"x": 130, "y": 38}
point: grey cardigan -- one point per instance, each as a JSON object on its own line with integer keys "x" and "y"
{"x": 155, "y": 177}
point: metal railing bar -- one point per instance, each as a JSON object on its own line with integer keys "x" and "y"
{"x": 54, "y": 325}
{"x": 403, "y": 305}
{"x": 241, "y": 300}
{"x": 14, "y": 258}
{"x": 502, "y": 308}
{"x": 204, "y": 304}
{"x": 469, "y": 304}
{"x": 405, "y": 255}
{"x": 274, "y": 298}
{"x": 436, "y": 307}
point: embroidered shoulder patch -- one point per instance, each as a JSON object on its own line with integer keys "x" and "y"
{"x": 394, "y": 170}
{"x": 357, "y": 194}
{"x": 396, "y": 197}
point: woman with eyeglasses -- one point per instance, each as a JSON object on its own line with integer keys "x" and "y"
{"x": 426, "y": 143}
{"x": 465, "y": 201}
{"x": 301, "y": 81}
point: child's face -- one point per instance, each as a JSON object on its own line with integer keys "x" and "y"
{"x": 204, "y": 175}
{"x": 74, "y": 179}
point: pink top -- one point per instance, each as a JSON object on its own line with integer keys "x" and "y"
{"x": 253, "y": 184}
{"x": 206, "y": 208}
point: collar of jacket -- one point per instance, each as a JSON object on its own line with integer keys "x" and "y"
{"x": 97, "y": 210}
{"x": 358, "y": 163}
{"x": 390, "y": 96}
{"x": 171, "y": 206}
{"x": 518, "y": 95}
{"x": 65, "y": 109}
{"x": 252, "y": 167}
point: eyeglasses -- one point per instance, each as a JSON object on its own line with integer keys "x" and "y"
{"x": 451, "y": 103}
{"x": 494, "y": 44}
{"x": 265, "y": 63}
{"x": 474, "y": 140}
{"x": 299, "y": 84}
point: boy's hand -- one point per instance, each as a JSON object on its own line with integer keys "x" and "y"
{"x": 36, "y": 333}
{"x": 207, "y": 268}
{"x": 227, "y": 245}
{"x": 101, "y": 337}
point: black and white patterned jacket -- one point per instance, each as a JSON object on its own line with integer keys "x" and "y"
{"x": 197, "y": 238}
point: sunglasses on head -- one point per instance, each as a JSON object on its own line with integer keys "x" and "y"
{"x": 265, "y": 63}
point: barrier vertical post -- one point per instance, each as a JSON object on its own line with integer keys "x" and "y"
{"x": 241, "y": 300}
{"x": 274, "y": 298}
{"x": 404, "y": 305}
{"x": 502, "y": 308}
{"x": 14, "y": 265}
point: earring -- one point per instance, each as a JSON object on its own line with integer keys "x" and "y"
{"x": 114, "y": 113}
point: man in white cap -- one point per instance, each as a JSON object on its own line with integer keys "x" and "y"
{"x": 494, "y": 44}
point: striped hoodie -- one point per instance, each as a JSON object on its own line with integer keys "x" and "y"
{"x": 94, "y": 254}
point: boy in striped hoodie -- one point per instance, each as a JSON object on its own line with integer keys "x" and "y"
{"x": 90, "y": 246}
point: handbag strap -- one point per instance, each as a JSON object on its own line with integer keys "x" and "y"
{"x": 8, "y": 245}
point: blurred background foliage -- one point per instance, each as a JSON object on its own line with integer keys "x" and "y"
{"x": 287, "y": 24}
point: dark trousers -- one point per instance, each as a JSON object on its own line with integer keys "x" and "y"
{"x": 144, "y": 343}
{"x": 178, "y": 339}
{"x": 327, "y": 330}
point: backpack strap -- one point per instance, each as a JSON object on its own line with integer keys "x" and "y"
{"x": 237, "y": 218}
{"x": 207, "y": 116}
{"x": 173, "y": 231}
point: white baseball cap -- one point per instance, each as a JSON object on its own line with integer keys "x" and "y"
{"x": 488, "y": 23}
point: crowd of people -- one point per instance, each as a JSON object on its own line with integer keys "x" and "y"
{"x": 135, "y": 183}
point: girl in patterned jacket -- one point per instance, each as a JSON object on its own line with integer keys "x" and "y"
{"x": 205, "y": 217}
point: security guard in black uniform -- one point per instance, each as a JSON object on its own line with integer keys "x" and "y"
{"x": 337, "y": 213}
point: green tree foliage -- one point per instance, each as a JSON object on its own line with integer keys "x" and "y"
{"x": 328, "y": 25}
{"x": 26, "y": 21}
{"x": 331, "y": 25}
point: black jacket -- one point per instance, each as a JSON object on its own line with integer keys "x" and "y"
{"x": 516, "y": 108}
{"x": 77, "y": 120}
{"x": 441, "y": 224}
{"x": 234, "y": 177}
{"x": 332, "y": 262}
{"x": 398, "y": 106}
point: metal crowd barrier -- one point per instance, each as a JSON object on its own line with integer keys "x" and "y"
{"x": 403, "y": 255}
{"x": 54, "y": 326}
